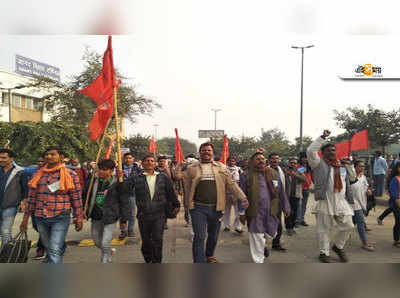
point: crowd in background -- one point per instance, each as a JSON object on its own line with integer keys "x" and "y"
{"x": 255, "y": 192}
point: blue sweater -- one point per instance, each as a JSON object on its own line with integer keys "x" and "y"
{"x": 393, "y": 191}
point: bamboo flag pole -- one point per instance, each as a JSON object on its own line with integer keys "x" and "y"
{"x": 101, "y": 145}
{"x": 119, "y": 160}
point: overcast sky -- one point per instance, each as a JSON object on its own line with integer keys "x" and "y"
{"x": 193, "y": 56}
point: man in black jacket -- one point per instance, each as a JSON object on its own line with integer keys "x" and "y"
{"x": 13, "y": 189}
{"x": 105, "y": 207}
{"x": 154, "y": 194}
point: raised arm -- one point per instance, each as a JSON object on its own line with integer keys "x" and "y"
{"x": 312, "y": 151}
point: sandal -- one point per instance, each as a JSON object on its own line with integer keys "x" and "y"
{"x": 397, "y": 244}
{"x": 212, "y": 260}
{"x": 368, "y": 247}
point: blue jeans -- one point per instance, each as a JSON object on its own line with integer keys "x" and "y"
{"x": 359, "y": 220}
{"x": 102, "y": 235}
{"x": 7, "y": 217}
{"x": 34, "y": 225}
{"x": 132, "y": 216}
{"x": 53, "y": 232}
{"x": 205, "y": 218}
{"x": 301, "y": 211}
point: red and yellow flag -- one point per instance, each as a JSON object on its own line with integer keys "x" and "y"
{"x": 101, "y": 92}
{"x": 225, "y": 150}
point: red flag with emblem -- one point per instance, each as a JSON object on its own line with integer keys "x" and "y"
{"x": 153, "y": 146}
{"x": 225, "y": 150}
{"x": 102, "y": 93}
{"x": 178, "y": 148}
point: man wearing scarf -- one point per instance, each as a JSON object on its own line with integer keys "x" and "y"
{"x": 76, "y": 166}
{"x": 53, "y": 191}
{"x": 333, "y": 198}
{"x": 266, "y": 196}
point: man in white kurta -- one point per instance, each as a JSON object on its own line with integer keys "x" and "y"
{"x": 332, "y": 204}
{"x": 231, "y": 201}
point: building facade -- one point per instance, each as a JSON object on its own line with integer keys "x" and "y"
{"x": 26, "y": 103}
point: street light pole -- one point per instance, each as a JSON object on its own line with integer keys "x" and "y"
{"x": 215, "y": 117}
{"x": 9, "y": 105}
{"x": 301, "y": 93}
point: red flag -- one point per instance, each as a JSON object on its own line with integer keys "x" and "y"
{"x": 225, "y": 151}
{"x": 360, "y": 141}
{"x": 153, "y": 146}
{"x": 178, "y": 148}
{"x": 101, "y": 92}
{"x": 342, "y": 150}
{"x": 110, "y": 146}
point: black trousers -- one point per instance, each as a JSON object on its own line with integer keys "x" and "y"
{"x": 396, "y": 228}
{"x": 277, "y": 240}
{"x": 385, "y": 213}
{"x": 291, "y": 220}
{"x": 152, "y": 232}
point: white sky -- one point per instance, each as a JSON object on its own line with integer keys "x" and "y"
{"x": 192, "y": 56}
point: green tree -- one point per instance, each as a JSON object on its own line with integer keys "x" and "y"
{"x": 138, "y": 145}
{"x": 29, "y": 140}
{"x": 383, "y": 127}
{"x": 167, "y": 146}
{"x": 294, "y": 149}
{"x": 242, "y": 147}
{"x": 275, "y": 140}
{"x": 5, "y": 132}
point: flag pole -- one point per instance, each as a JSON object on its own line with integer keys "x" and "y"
{"x": 119, "y": 160}
{"x": 101, "y": 145}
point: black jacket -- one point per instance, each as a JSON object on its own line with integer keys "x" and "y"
{"x": 115, "y": 206}
{"x": 16, "y": 188}
{"x": 150, "y": 208}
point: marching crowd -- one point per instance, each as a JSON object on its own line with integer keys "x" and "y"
{"x": 261, "y": 191}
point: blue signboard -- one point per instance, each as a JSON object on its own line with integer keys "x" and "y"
{"x": 32, "y": 68}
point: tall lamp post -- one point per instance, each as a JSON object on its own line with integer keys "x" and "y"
{"x": 301, "y": 92}
{"x": 215, "y": 117}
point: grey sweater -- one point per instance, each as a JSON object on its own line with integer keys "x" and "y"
{"x": 321, "y": 172}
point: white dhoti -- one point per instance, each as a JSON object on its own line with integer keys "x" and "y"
{"x": 257, "y": 245}
{"x": 334, "y": 210}
{"x": 325, "y": 223}
{"x": 227, "y": 215}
